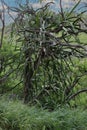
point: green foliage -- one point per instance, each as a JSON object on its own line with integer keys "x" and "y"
{"x": 48, "y": 61}
{"x": 43, "y": 64}
{"x": 79, "y": 70}
{"x": 10, "y": 58}
{"x": 41, "y": 56}
{"x": 14, "y": 115}
{"x": 83, "y": 38}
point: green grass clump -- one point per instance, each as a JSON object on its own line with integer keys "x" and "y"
{"x": 14, "y": 115}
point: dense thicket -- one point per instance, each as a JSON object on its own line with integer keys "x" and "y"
{"x": 39, "y": 63}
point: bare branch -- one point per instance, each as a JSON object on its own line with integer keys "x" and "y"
{"x": 76, "y": 94}
{"x": 2, "y": 18}
{"x": 61, "y": 9}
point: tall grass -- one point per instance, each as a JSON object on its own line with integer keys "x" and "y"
{"x": 14, "y": 115}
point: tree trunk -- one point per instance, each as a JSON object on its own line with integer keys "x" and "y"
{"x": 28, "y": 87}
{"x": 29, "y": 71}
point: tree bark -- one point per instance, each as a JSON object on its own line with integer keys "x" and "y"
{"x": 28, "y": 87}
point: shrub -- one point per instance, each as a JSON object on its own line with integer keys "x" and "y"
{"x": 14, "y": 115}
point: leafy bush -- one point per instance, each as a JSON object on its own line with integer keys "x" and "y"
{"x": 14, "y": 115}
{"x": 38, "y": 60}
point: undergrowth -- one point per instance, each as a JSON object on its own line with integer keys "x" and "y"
{"x": 14, "y": 115}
